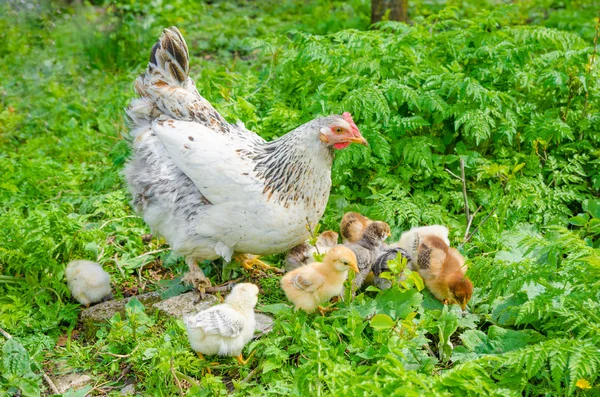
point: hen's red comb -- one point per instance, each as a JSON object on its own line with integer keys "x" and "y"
{"x": 348, "y": 117}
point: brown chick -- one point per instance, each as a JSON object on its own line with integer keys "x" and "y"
{"x": 303, "y": 254}
{"x": 353, "y": 226}
{"x": 308, "y": 287}
{"x": 443, "y": 271}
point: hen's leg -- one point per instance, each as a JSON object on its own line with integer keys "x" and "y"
{"x": 249, "y": 261}
{"x": 195, "y": 276}
{"x": 240, "y": 358}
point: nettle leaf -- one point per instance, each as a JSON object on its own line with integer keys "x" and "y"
{"x": 15, "y": 360}
{"x": 398, "y": 304}
{"x": 447, "y": 326}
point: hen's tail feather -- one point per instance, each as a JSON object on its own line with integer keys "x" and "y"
{"x": 170, "y": 55}
{"x": 165, "y": 89}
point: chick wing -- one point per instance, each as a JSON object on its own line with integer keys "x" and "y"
{"x": 220, "y": 320}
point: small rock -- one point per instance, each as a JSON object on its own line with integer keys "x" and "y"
{"x": 93, "y": 317}
{"x": 177, "y": 306}
{"x": 71, "y": 381}
{"x": 184, "y": 304}
{"x": 128, "y": 390}
{"x": 264, "y": 324}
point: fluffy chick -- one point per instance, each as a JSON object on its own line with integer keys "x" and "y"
{"x": 353, "y": 226}
{"x": 309, "y": 286}
{"x": 443, "y": 270}
{"x": 410, "y": 240}
{"x": 303, "y": 254}
{"x": 88, "y": 282}
{"x": 367, "y": 249}
{"x": 226, "y": 328}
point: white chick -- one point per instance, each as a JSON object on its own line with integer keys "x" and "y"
{"x": 410, "y": 240}
{"x": 226, "y": 328}
{"x": 88, "y": 282}
{"x": 309, "y": 286}
{"x": 303, "y": 254}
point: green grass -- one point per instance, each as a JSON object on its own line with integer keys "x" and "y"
{"x": 509, "y": 89}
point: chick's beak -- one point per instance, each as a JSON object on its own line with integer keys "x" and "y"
{"x": 463, "y": 304}
{"x": 354, "y": 267}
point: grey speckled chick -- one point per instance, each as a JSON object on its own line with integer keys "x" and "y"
{"x": 367, "y": 249}
{"x": 302, "y": 254}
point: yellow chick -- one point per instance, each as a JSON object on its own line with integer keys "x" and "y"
{"x": 353, "y": 226}
{"x": 226, "y": 328}
{"x": 303, "y": 254}
{"x": 88, "y": 282}
{"x": 443, "y": 270}
{"x": 314, "y": 284}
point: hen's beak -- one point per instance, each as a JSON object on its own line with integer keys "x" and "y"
{"x": 463, "y": 305}
{"x": 360, "y": 140}
{"x": 354, "y": 267}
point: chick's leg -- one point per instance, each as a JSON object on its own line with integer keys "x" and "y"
{"x": 196, "y": 277}
{"x": 324, "y": 310}
{"x": 248, "y": 262}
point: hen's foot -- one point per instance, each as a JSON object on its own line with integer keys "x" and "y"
{"x": 198, "y": 280}
{"x": 240, "y": 358}
{"x": 324, "y": 310}
{"x": 249, "y": 262}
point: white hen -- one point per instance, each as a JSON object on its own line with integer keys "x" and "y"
{"x": 88, "y": 282}
{"x": 212, "y": 188}
{"x": 226, "y": 328}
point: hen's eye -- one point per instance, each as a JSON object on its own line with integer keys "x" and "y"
{"x": 338, "y": 130}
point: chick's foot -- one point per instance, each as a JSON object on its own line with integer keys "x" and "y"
{"x": 324, "y": 310}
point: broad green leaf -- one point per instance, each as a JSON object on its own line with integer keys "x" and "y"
{"x": 579, "y": 220}
{"x": 592, "y": 206}
{"x": 15, "y": 360}
{"x": 447, "y": 325}
{"x": 382, "y": 321}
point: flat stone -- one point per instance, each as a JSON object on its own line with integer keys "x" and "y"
{"x": 264, "y": 324}
{"x": 71, "y": 381}
{"x": 185, "y": 304}
{"x": 93, "y": 317}
{"x": 177, "y": 306}
{"x": 128, "y": 390}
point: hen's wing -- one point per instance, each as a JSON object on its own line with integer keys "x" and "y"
{"x": 221, "y": 320}
{"x": 308, "y": 279}
{"x": 216, "y": 163}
